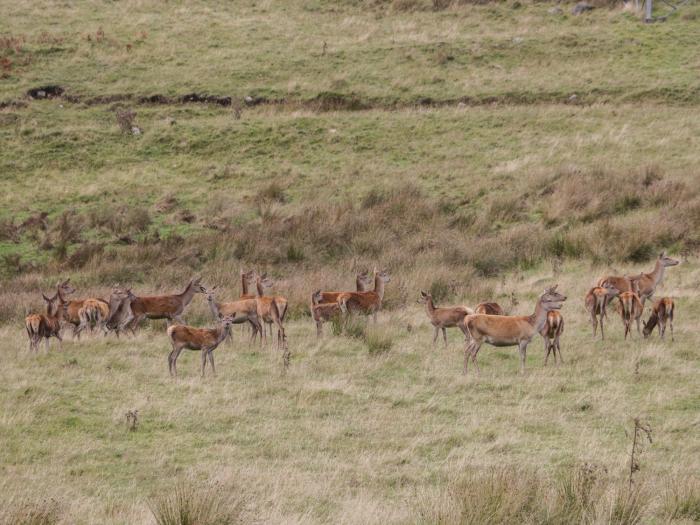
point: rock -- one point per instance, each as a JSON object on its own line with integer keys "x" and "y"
{"x": 573, "y": 97}
{"x": 581, "y": 7}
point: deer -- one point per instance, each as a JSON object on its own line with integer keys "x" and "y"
{"x": 260, "y": 285}
{"x": 444, "y": 318}
{"x": 74, "y": 306}
{"x": 93, "y": 314}
{"x": 630, "y": 308}
{"x": 46, "y": 325}
{"x": 551, "y": 331}
{"x": 489, "y": 309}
{"x": 363, "y": 281}
{"x": 168, "y": 307}
{"x": 366, "y": 303}
{"x": 644, "y": 284}
{"x": 268, "y": 310}
{"x": 596, "y": 302}
{"x": 661, "y": 313}
{"x": 509, "y": 330}
{"x": 204, "y": 339}
{"x": 244, "y": 310}
{"x": 120, "y": 310}
{"x": 322, "y": 312}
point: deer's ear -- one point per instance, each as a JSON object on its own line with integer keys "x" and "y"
{"x": 46, "y": 298}
{"x": 423, "y": 294}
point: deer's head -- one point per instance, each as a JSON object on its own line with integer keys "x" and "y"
{"x": 551, "y": 299}
{"x": 65, "y": 288}
{"x": 317, "y": 297}
{"x": 209, "y": 292}
{"x": 197, "y": 286}
{"x": 666, "y": 261}
{"x": 384, "y": 276}
{"x": 610, "y": 289}
{"x": 424, "y": 297}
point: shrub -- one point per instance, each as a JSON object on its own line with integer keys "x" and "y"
{"x": 272, "y": 193}
{"x": 190, "y": 503}
{"x": 441, "y": 289}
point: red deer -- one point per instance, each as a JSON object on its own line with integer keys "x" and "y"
{"x": 362, "y": 284}
{"x": 244, "y": 310}
{"x": 322, "y": 312}
{"x": 444, "y": 318}
{"x": 489, "y": 309}
{"x": 551, "y": 332}
{"x": 366, "y": 303}
{"x": 509, "y": 330}
{"x": 281, "y": 302}
{"x": 630, "y": 308}
{"x": 596, "y": 302}
{"x": 93, "y": 314}
{"x": 73, "y": 306}
{"x": 268, "y": 310}
{"x": 120, "y": 310}
{"x": 204, "y": 339}
{"x": 643, "y": 284}
{"x": 169, "y": 307}
{"x": 661, "y": 313}
{"x": 45, "y": 326}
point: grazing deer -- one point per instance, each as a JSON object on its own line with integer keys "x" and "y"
{"x": 661, "y": 313}
{"x": 46, "y": 325}
{"x": 366, "y": 303}
{"x": 596, "y": 302}
{"x": 644, "y": 284}
{"x": 509, "y": 330}
{"x": 322, "y": 312}
{"x": 551, "y": 331}
{"x": 204, "y": 339}
{"x": 169, "y": 307}
{"x": 244, "y": 310}
{"x": 362, "y": 283}
{"x": 444, "y": 318}
{"x": 630, "y": 307}
{"x": 268, "y": 310}
{"x": 489, "y": 309}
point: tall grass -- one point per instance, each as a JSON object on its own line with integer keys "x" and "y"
{"x": 190, "y": 502}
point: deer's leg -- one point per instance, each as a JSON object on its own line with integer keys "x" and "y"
{"x": 60, "y": 342}
{"x": 558, "y": 350}
{"x": 176, "y": 354}
{"x": 444, "y": 335}
{"x": 547, "y": 349}
{"x": 211, "y": 361}
{"x": 436, "y": 331}
{"x": 522, "y": 349}
{"x": 639, "y": 330}
{"x": 319, "y": 328}
{"x": 474, "y": 352}
{"x": 467, "y": 352}
{"x": 205, "y": 351}
{"x": 670, "y": 320}
{"x": 48, "y": 344}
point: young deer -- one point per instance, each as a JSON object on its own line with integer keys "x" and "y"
{"x": 363, "y": 281}
{"x": 268, "y": 310}
{"x": 644, "y": 284}
{"x": 630, "y": 308}
{"x": 444, "y": 318}
{"x": 93, "y": 314}
{"x": 661, "y": 313}
{"x": 366, "y": 303}
{"x": 322, "y": 312}
{"x": 551, "y": 332}
{"x": 596, "y": 302}
{"x": 120, "y": 310}
{"x": 46, "y": 325}
{"x": 74, "y": 306}
{"x": 244, "y": 310}
{"x": 204, "y": 339}
{"x": 489, "y": 309}
{"x": 509, "y": 330}
{"x": 169, "y": 307}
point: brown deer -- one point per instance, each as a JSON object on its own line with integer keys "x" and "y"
{"x": 366, "y": 303}
{"x": 46, "y": 325}
{"x": 244, "y": 310}
{"x": 120, "y": 310}
{"x": 644, "y": 284}
{"x": 661, "y": 313}
{"x": 489, "y": 309}
{"x": 260, "y": 285}
{"x": 169, "y": 307}
{"x": 268, "y": 310}
{"x": 93, "y": 314}
{"x": 596, "y": 302}
{"x": 551, "y": 332}
{"x": 322, "y": 312}
{"x": 444, "y": 318}
{"x": 509, "y": 330}
{"x": 363, "y": 281}
{"x": 73, "y": 306}
{"x": 630, "y": 308}
{"x": 204, "y": 339}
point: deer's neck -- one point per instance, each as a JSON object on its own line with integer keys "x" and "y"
{"x": 379, "y": 287}
{"x": 657, "y": 273}
{"x": 539, "y": 318}
{"x": 430, "y": 307}
{"x": 221, "y": 332}
{"x": 259, "y": 292}
{"x": 244, "y": 285}
{"x": 188, "y": 294}
{"x": 214, "y": 308}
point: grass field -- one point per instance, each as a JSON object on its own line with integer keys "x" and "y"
{"x": 478, "y": 151}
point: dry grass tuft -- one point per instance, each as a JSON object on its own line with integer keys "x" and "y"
{"x": 196, "y": 503}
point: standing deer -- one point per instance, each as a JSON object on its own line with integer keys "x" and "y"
{"x": 322, "y": 312}
{"x": 120, "y": 310}
{"x": 74, "y": 306}
{"x": 366, "y": 303}
{"x": 489, "y": 309}
{"x": 444, "y": 318}
{"x": 169, "y": 307}
{"x": 268, "y": 310}
{"x": 509, "y": 330}
{"x": 661, "y": 313}
{"x": 362, "y": 283}
{"x": 551, "y": 331}
{"x": 93, "y": 314}
{"x": 204, "y": 339}
{"x": 46, "y": 325}
{"x": 596, "y": 302}
{"x": 644, "y": 284}
{"x": 630, "y": 308}
{"x": 281, "y": 302}
{"x": 244, "y": 310}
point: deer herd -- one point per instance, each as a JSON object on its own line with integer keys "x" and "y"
{"x": 486, "y": 323}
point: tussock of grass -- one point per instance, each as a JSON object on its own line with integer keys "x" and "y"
{"x": 196, "y": 503}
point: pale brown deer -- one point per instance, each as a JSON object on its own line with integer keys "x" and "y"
{"x": 366, "y": 303}
{"x": 444, "y": 318}
{"x": 322, "y": 312}
{"x": 596, "y": 302}
{"x": 509, "y": 330}
{"x": 489, "y": 309}
{"x": 93, "y": 314}
{"x": 73, "y": 306}
{"x": 268, "y": 310}
{"x": 244, "y": 310}
{"x": 45, "y": 326}
{"x": 168, "y": 307}
{"x": 262, "y": 282}
{"x": 120, "y": 310}
{"x": 630, "y": 308}
{"x": 204, "y": 339}
{"x": 644, "y": 284}
{"x": 363, "y": 282}
{"x": 661, "y": 313}
{"x": 551, "y": 332}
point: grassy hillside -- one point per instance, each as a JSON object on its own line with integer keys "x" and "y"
{"x": 479, "y": 151}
